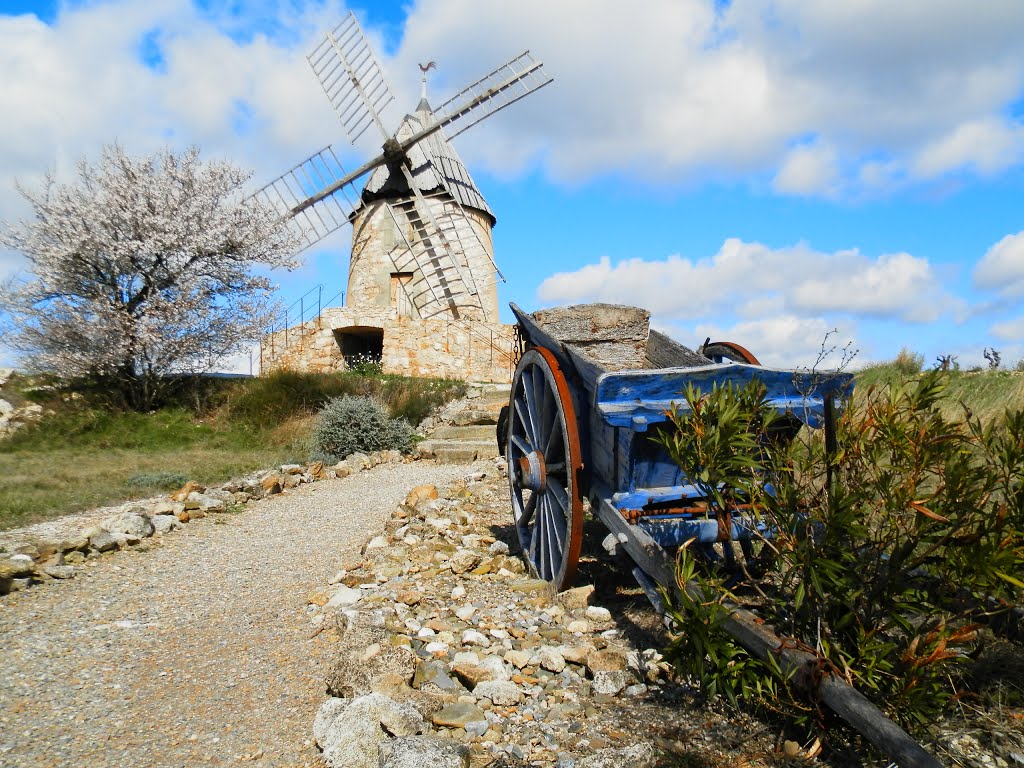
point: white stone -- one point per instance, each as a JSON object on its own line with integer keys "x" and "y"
{"x": 501, "y": 692}
{"x": 496, "y": 667}
{"x": 129, "y": 525}
{"x": 599, "y": 615}
{"x": 466, "y": 657}
{"x": 473, "y": 637}
{"x": 458, "y": 591}
{"x": 465, "y": 612}
{"x": 551, "y": 659}
{"x": 343, "y": 597}
{"x": 611, "y": 682}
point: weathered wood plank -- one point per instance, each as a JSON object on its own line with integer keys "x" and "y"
{"x": 665, "y": 352}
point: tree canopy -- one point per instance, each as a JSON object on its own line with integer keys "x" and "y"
{"x": 142, "y": 268}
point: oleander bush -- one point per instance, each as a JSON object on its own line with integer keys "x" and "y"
{"x": 889, "y": 558}
{"x": 347, "y": 424}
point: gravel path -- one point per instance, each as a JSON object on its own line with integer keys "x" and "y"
{"x": 198, "y": 651}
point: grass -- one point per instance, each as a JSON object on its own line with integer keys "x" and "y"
{"x": 987, "y": 394}
{"x": 85, "y": 453}
{"x": 37, "y": 485}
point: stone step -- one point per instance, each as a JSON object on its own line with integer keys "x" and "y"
{"x": 498, "y": 395}
{"x": 458, "y": 451}
{"x": 474, "y": 432}
{"x": 477, "y": 414}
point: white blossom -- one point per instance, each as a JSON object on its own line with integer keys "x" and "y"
{"x": 142, "y": 268}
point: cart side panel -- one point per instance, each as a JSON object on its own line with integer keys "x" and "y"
{"x": 636, "y": 399}
{"x": 633, "y": 406}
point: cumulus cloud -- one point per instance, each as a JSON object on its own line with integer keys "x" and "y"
{"x": 1002, "y": 267}
{"x": 1010, "y": 330}
{"x": 808, "y": 169}
{"x": 749, "y": 277}
{"x": 783, "y": 341}
{"x": 986, "y": 146}
{"x": 680, "y": 90}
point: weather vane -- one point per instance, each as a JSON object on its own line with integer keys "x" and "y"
{"x": 424, "y": 68}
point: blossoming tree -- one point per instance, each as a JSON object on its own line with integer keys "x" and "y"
{"x": 142, "y": 268}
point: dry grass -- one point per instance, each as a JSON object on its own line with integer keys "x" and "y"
{"x": 35, "y": 486}
{"x": 85, "y": 453}
{"x": 986, "y": 394}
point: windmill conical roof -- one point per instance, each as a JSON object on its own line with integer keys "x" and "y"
{"x": 436, "y": 167}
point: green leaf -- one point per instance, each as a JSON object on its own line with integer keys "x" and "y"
{"x": 1016, "y": 582}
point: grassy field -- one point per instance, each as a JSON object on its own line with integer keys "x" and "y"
{"x": 84, "y": 454}
{"x": 987, "y": 394}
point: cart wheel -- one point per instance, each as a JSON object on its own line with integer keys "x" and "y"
{"x": 543, "y": 454}
{"x": 727, "y": 351}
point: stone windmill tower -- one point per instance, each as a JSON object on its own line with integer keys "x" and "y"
{"x": 422, "y": 284}
{"x": 397, "y": 261}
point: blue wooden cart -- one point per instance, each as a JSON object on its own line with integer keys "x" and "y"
{"x": 576, "y": 429}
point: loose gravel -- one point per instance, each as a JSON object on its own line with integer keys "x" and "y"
{"x": 195, "y": 649}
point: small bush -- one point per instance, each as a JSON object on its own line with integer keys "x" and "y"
{"x": 347, "y": 424}
{"x": 163, "y": 480}
{"x": 364, "y": 365}
{"x": 908, "y": 362}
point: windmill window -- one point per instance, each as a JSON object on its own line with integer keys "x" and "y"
{"x": 401, "y": 286}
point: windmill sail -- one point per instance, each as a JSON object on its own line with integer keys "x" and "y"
{"x": 297, "y": 195}
{"x": 351, "y": 78}
{"x": 506, "y": 85}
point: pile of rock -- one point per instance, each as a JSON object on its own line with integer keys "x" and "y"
{"x": 449, "y": 653}
{"x": 35, "y": 559}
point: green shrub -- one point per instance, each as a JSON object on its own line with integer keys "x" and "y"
{"x": 908, "y": 362}
{"x": 349, "y": 424}
{"x": 163, "y": 480}
{"x": 884, "y": 571}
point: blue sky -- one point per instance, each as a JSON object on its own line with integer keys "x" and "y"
{"x": 763, "y": 171}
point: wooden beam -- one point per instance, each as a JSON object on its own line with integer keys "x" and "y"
{"x": 761, "y": 640}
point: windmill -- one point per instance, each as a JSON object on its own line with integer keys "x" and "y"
{"x": 436, "y": 249}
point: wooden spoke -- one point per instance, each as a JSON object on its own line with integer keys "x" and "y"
{"x": 544, "y": 461}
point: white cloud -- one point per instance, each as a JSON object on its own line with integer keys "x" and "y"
{"x": 69, "y": 88}
{"x": 674, "y": 91}
{"x": 893, "y": 92}
{"x": 985, "y": 146}
{"x": 1010, "y": 330}
{"x": 1002, "y": 267}
{"x": 893, "y": 285}
{"x": 747, "y": 277}
{"x": 779, "y": 341}
{"x": 808, "y": 169}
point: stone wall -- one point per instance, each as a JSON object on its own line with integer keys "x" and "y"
{"x": 442, "y": 347}
{"x": 379, "y": 253}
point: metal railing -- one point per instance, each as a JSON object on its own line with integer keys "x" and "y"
{"x": 308, "y": 310}
{"x": 503, "y": 345}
